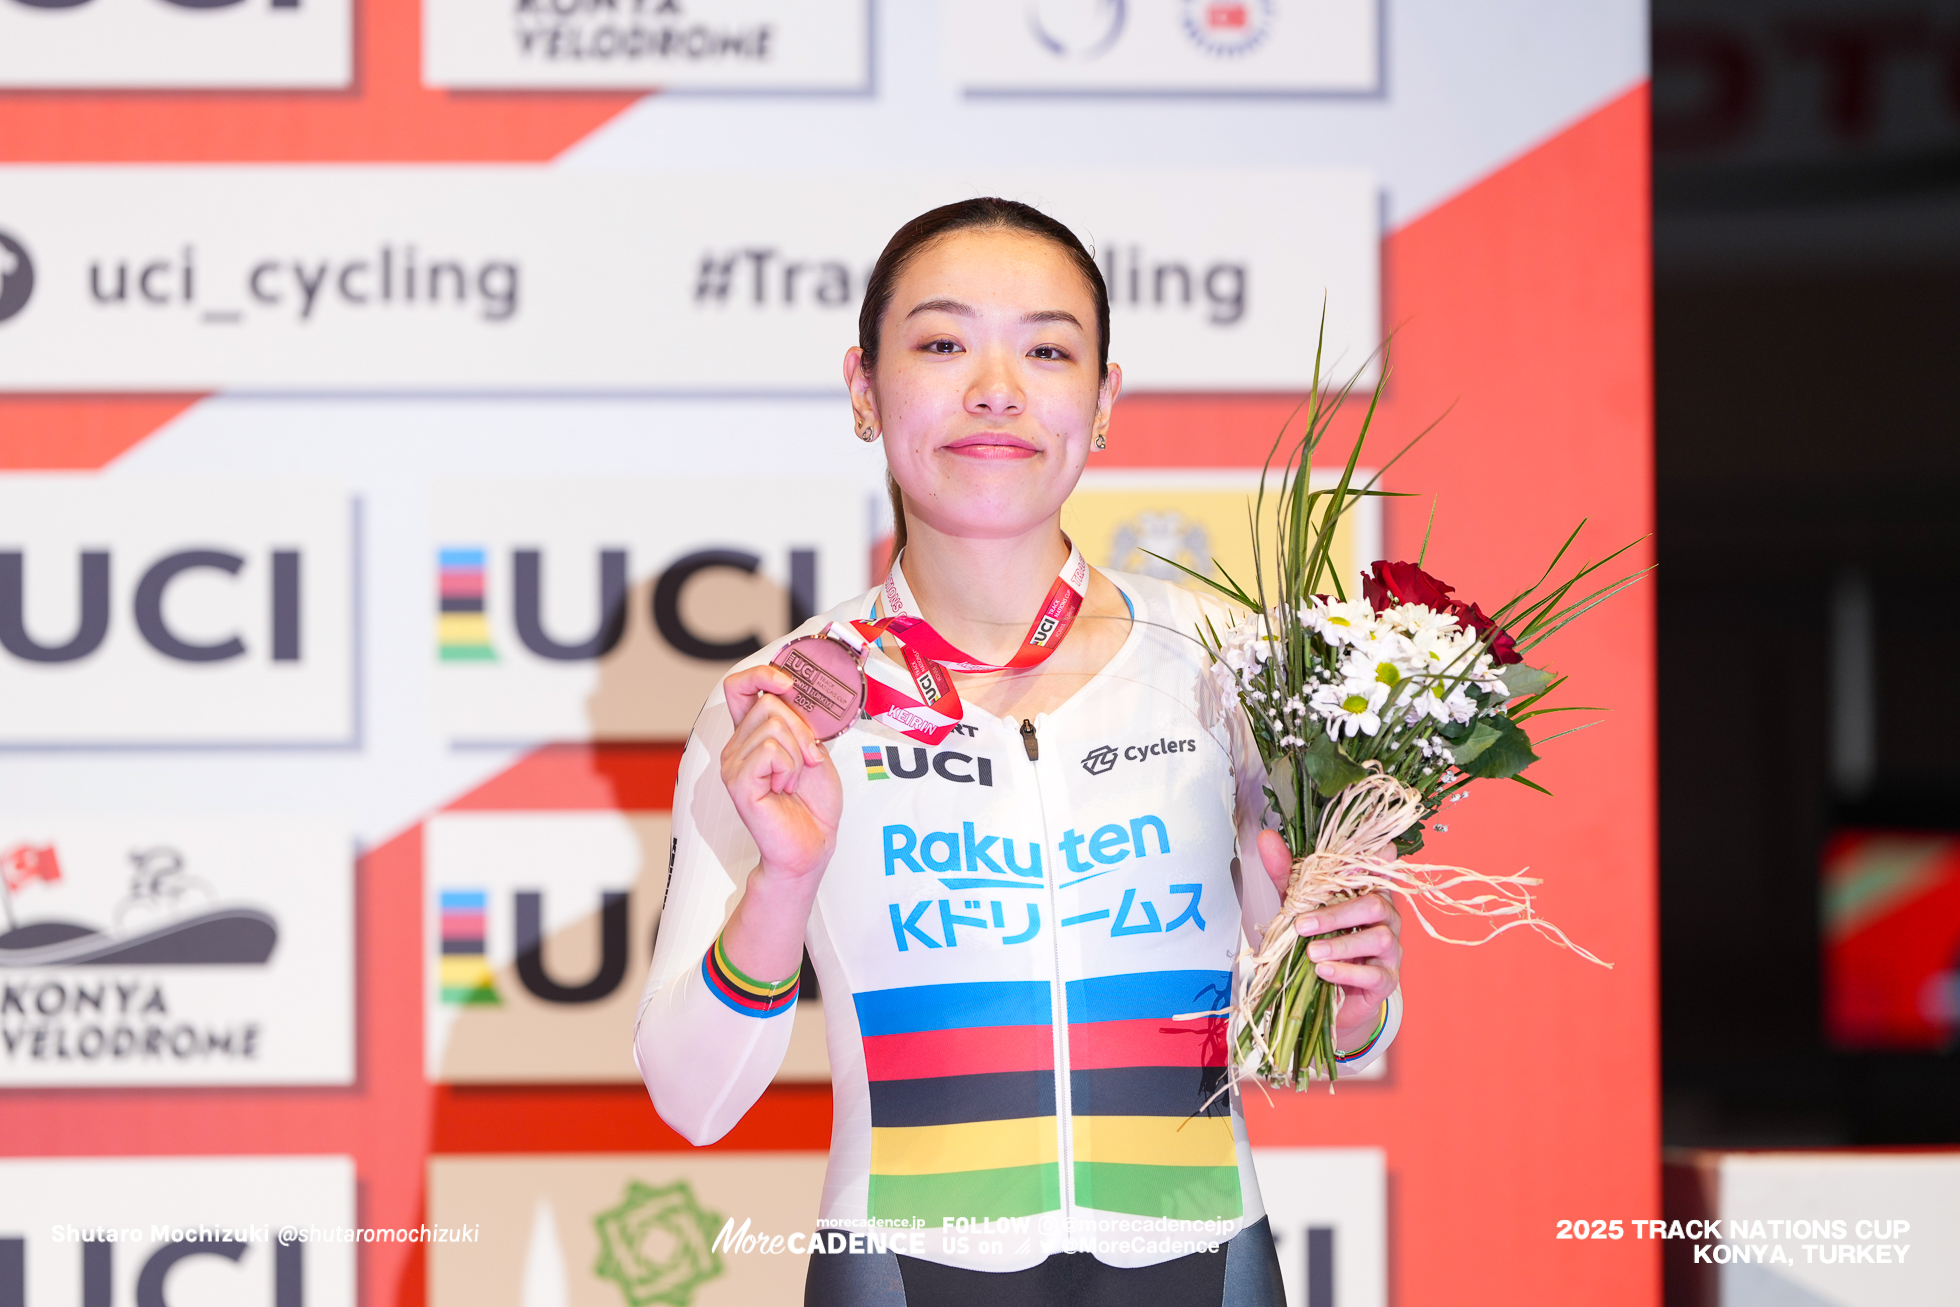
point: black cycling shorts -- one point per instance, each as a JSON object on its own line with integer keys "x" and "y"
{"x": 1244, "y": 1272}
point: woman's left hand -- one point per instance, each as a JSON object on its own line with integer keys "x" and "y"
{"x": 1366, "y": 964}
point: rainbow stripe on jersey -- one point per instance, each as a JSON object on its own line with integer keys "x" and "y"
{"x": 1146, "y": 1142}
{"x": 962, "y": 1087}
{"x": 962, "y": 1100}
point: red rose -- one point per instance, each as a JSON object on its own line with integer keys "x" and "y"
{"x": 1468, "y": 615}
{"x": 1404, "y": 583}
{"x": 1502, "y": 647}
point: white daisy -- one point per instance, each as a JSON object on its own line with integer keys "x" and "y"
{"x": 1418, "y": 620}
{"x": 1442, "y": 649}
{"x": 1338, "y": 622}
{"x": 1351, "y": 708}
{"x": 1384, "y": 656}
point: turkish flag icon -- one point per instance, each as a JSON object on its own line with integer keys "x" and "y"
{"x": 25, "y": 862}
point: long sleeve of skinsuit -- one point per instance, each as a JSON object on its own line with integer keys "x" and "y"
{"x": 705, "y": 1054}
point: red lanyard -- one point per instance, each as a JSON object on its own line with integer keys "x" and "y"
{"x": 931, "y": 659}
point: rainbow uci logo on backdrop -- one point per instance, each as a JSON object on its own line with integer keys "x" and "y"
{"x": 465, "y": 973}
{"x": 874, "y": 764}
{"x": 462, "y": 629}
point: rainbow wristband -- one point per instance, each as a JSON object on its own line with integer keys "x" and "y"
{"x": 1381, "y": 1024}
{"x": 752, "y": 998}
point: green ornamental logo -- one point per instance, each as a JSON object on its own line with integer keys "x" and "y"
{"x": 657, "y": 1245}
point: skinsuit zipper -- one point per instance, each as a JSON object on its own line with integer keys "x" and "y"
{"x": 1064, "y": 1101}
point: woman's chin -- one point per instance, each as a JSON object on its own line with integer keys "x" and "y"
{"x": 992, "y": 519}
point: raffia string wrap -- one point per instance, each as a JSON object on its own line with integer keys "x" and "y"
{"x": 1354, "y": 854}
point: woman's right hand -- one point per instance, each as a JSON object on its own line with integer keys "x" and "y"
{"x": 780, "y": 776}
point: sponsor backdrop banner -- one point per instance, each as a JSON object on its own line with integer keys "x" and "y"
{"x": 1143, "y": 46}
{"x": 176, "y": 951}
{"x": 176, "y": 612}
{"x": 418, "y": 448}
{"x": 539, "y": 928}
{"x": 529, "y": 278}
{"x": 176, "y": 43}
{"x": 774, "y": 45}
{"x": 609, "y": 610}
{"x": 141, "y": 1232}
{"x": 620, "y": 1229}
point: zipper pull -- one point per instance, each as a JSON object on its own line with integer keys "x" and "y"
{"x": 1028, "y": 741}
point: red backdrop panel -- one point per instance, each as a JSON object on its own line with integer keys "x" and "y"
{"x": 1524, "y": 1087}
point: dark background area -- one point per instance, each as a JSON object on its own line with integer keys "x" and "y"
{"x": 1807, "y": 350}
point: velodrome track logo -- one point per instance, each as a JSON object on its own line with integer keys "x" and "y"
{"x": 159, "y": 951}
{"x": 16, "y": 276}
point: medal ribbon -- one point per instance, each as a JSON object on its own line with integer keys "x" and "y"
{"x": 931, "y": 659}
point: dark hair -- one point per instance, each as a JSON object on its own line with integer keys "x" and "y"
{"x": 982, "y": 213}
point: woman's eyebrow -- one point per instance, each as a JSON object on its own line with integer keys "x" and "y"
{"x": 965, "y": 310}
{"x": 943, "y": 306}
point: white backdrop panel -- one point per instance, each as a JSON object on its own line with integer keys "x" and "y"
{"x": 527, "y": 278}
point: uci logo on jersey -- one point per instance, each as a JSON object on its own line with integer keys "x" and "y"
{"x": 947, "y": 764}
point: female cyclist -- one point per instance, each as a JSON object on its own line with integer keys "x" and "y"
{"x": 1024, "y": 924}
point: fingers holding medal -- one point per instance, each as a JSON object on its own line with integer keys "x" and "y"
{"x": 778, "y": 773}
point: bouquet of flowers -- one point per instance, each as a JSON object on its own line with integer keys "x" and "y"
{"x": 1371, "y": 713}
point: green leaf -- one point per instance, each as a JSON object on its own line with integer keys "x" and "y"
{"x": 1506, "y": 755}
{"x": 1232, "y": 591}
{"x": 1481, "y": 737}
{"x": 1409, "y": 841}
{"x": 1285, "y": 790}
{"x": 1520, "y": 680}
{"x": 1329, "y": 767}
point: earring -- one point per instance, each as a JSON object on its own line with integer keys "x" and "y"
{"x": 868, "y": 433}
{"x": 1100, "y": 442}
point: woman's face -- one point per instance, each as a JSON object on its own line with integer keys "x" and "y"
{"x": 987, "y": 387}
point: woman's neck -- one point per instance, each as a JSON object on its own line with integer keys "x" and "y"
{"x": 981, "y": 595}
